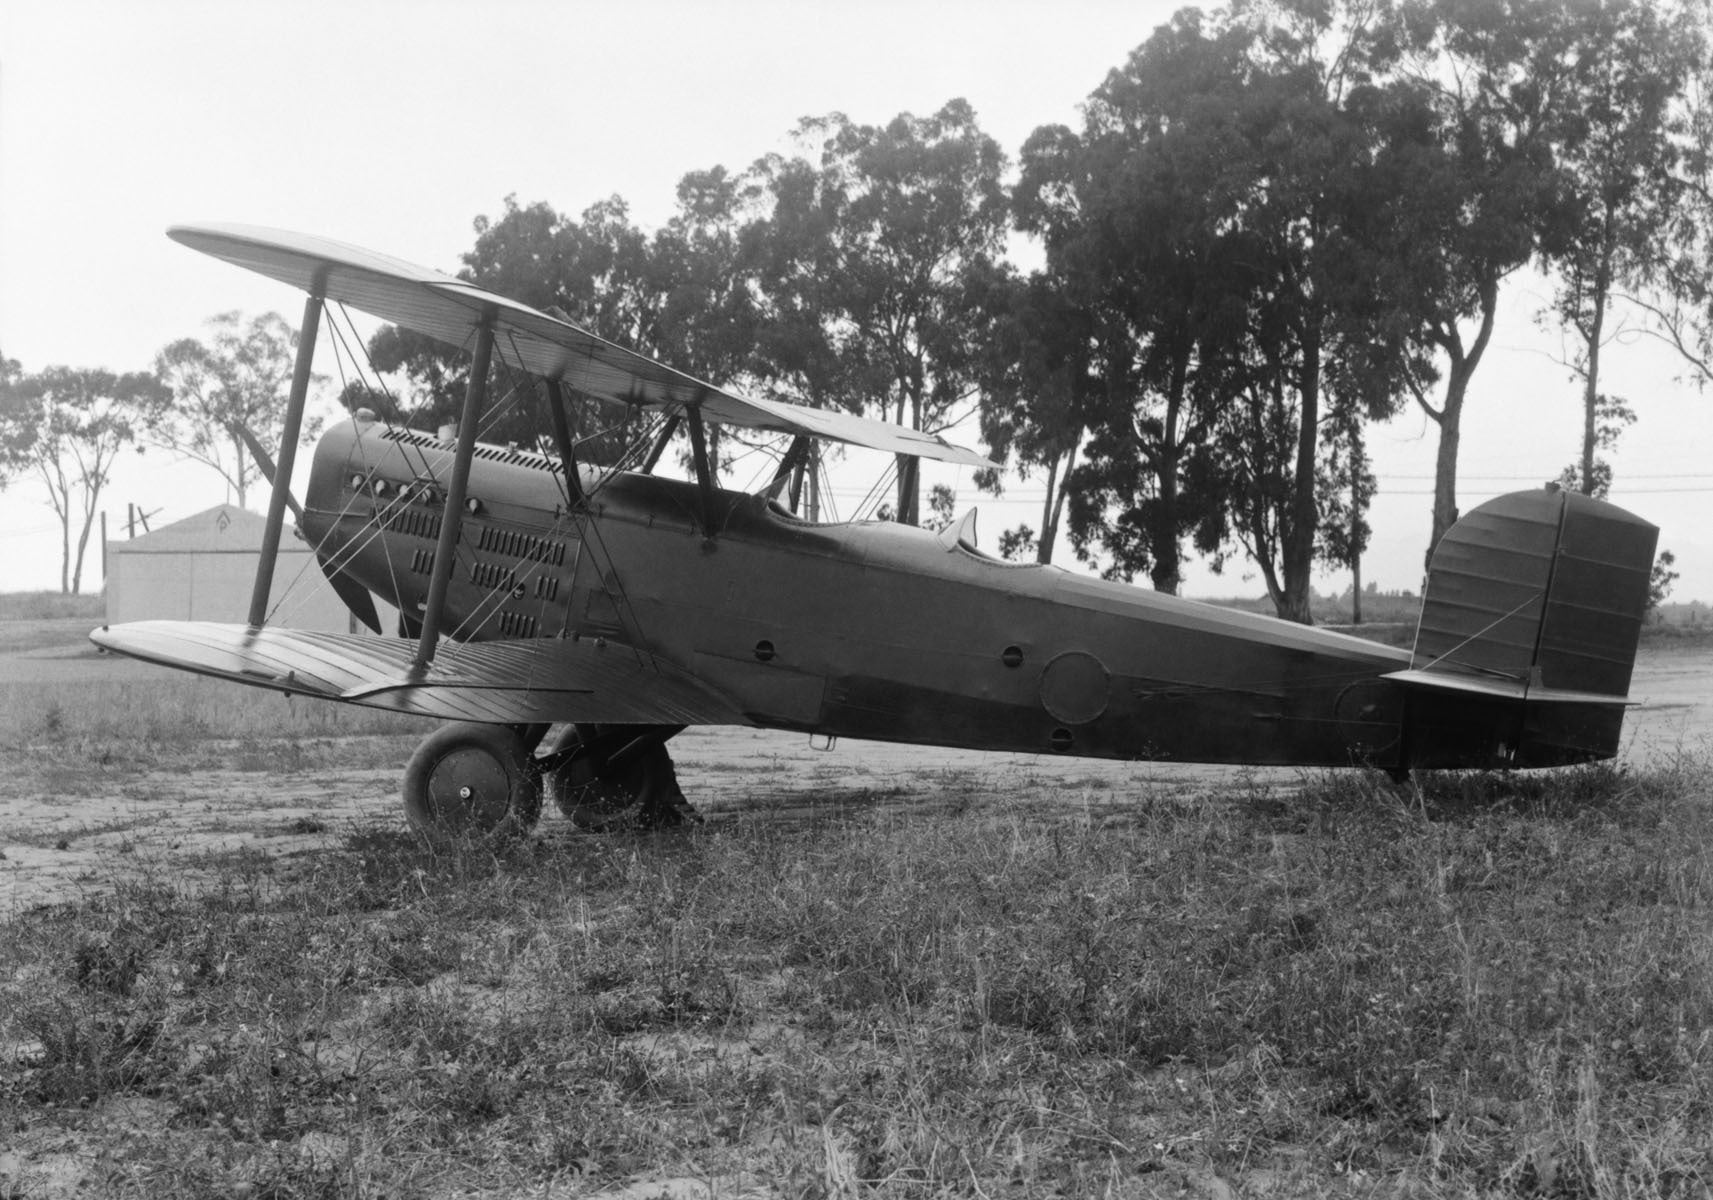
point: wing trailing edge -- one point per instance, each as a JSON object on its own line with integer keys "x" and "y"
{"x": 451, "y": 310}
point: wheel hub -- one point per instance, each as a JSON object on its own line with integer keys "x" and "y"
{"x": 469, "y": 788}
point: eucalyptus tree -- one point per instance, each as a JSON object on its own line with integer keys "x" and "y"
{"x": 16, "y": 438}
{"x": 67, "y": 426}
{"x": 1489, "y": 195}
{"x": 1621, "y": 142}
{"x": 227, "y": 386}
{"x": 596, "y": 269}
{"x": 1227, "y": 216}
{"x": 1036, "y": 392}
{"x": 1679, "y": 300}
{"x": 701, "y": 266}
{"x": 867, "y": 264}
{"x": 1138, "y": 214}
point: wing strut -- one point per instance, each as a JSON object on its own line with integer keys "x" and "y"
{"x": 288, "y": 452}
{"x": 791, "y": 468}
{"x": 452, "y": 523}
{"x": 660, "y": 443}
{"x": 562, "y": 439}
{"x": 704, "y": 469}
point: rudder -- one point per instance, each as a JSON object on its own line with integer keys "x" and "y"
{"x": 1528, "y": 632}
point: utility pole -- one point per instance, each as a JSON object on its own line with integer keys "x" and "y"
{"x": 133, "y": 514}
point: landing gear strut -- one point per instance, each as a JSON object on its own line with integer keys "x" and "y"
{"x": 609, "y": 778}
{"x": 471, "y": 781}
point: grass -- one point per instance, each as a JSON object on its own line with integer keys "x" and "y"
{"x": 52, "y": 606}
{"x": 128, "y": 718}
{"x": 1487, "y": 986}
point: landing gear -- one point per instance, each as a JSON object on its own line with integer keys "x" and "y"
{"x": 470, "y": 781}
{"x": 610, "y": 778}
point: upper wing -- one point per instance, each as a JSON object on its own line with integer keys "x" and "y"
{"x": 451, "y": 310}
{"x": 509, "y": 683}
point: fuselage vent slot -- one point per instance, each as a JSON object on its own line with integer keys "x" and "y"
{"x": 412, "y": 522}
{"x": 514, "y": 624}
{"x": 491, "y": 575}
{"x": 512, "y": 544}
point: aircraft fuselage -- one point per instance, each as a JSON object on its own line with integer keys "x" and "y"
{"x": 868, "y": 630}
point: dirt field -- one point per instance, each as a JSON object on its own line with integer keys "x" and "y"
{"x": 75, "y": 810}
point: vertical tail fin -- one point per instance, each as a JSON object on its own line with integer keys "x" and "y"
{"x": 1537, "y": 598}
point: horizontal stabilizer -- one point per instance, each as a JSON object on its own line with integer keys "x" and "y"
{"x": 451, "y": 310}
{"x": 501, "y": 682}
{"x": 1503, "y": 689}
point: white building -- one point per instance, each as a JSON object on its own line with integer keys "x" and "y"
{"x": 203, "y": 567}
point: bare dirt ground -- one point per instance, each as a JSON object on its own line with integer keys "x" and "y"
{"x": 74, "y": 816}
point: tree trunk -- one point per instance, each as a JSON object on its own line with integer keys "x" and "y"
{"x": 1445, "y": 463}
{"x": 1297, "y": 555}
{"x": 82, "y": 546}
{"x": 1358, "y": 468}
{"x": 1450, "y": 417}
{"x": 1356, "y": 587}
{"x": 1167, "y": 572}
{"x": 1049, "y": 513}
{"x": 238, "y": 475}
{"x": 1591, "y": 385}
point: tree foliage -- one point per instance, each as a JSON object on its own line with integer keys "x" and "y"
{"x": 16, "y": 437}
{"x": 66, "y": 426}
{"x": 237, "y": 377}
{"x": 1277, "y": 222}
{"x": 1137, "y": 215}
{"x": 1224, "y": 220}
{"x": 1036, "y": 390}
{"x": 1679, "y": 301}
{"x": 680, "y": 295}
{"x": 872, "y": 256}
{"x": 1620, "y": 140}
{"x": 593, "y": 270}
{"x": 1488, "y": 195}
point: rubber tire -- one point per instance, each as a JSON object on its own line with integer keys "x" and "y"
{"x": 629, "y": 798}
{"x": 491, "y": 761}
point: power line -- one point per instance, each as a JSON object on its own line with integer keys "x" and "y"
{"x": 18, "y": 533}
{"x": 1463, "y": 477}
{"x": 1618, "y": 492}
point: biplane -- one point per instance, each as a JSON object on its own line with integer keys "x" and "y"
{"x": 567, "y": 620}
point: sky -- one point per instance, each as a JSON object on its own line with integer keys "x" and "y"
{"x": 394, "y": 124}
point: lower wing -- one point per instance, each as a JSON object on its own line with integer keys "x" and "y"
{"x": 501, "y": 682}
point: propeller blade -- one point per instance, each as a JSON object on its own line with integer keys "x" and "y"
{"x": 265, "y": 462}
{"x": 355, "y": 596}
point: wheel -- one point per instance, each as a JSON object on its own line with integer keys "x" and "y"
{"x": 638, "y": 794}
{"x": 471, "y": 781}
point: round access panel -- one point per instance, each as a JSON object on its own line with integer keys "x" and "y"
{"x": 1074, "y": 687}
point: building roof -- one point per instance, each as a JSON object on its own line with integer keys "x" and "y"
{"x": 223, "y": 529}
